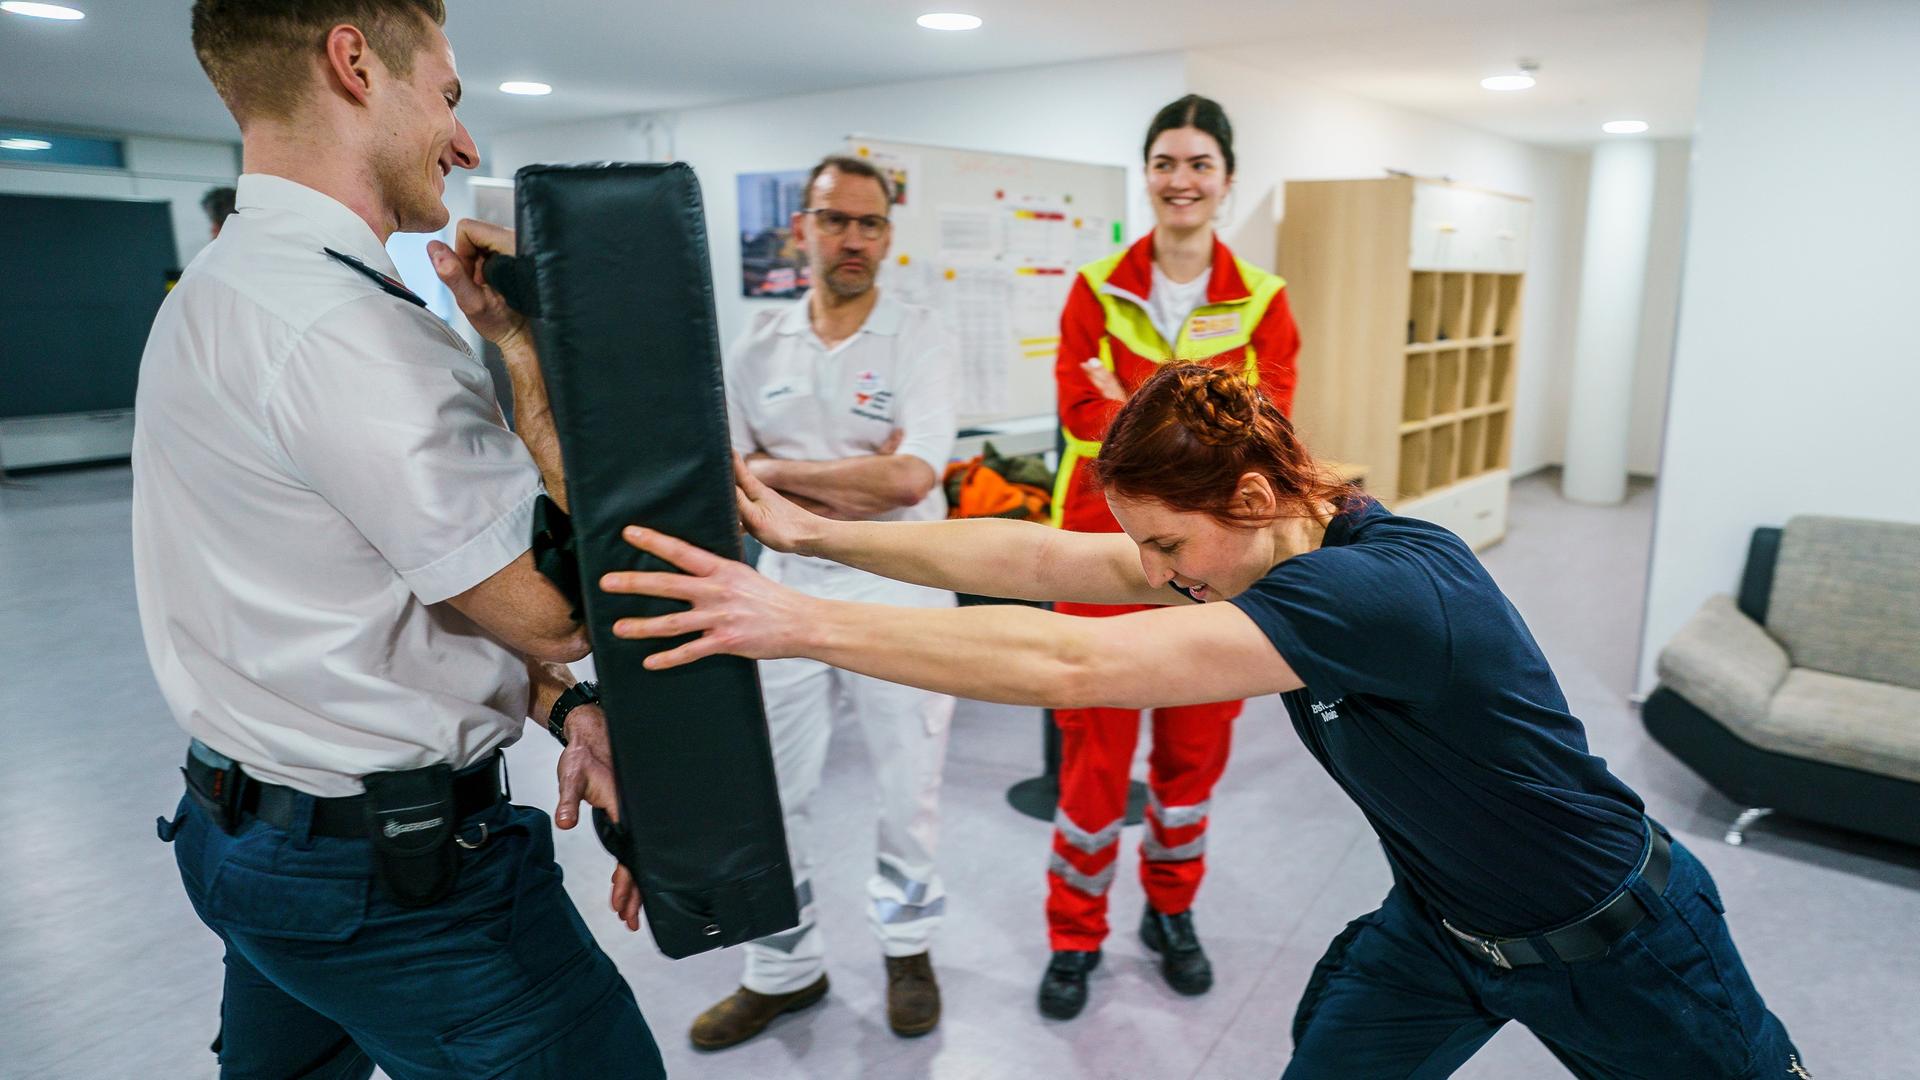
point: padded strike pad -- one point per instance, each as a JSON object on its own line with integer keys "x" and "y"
{"x": 615, "y": 257}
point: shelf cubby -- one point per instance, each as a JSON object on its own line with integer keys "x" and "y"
{"x": 1500, "y": 376}
{"x": 1453, "y": 307}
{"x": 1423, "y": 308}
{"x": 1507, "y": 307}
{"x": 1495, "y": 455}
{"x": 1473, "y": 442}
{"x": 1446, "y": 381}
{"x": 1417, "y": 398}
{"x": 1482, "y": 301}
{"x": 1478, "y": 362}
{"x": 1413, "y": 464}
{"x": 1442, "y": 455}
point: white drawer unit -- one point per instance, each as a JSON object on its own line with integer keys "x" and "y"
{"x": 1475, "y": 510}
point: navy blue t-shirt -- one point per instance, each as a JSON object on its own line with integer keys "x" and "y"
{"x": 1428, "y": 700}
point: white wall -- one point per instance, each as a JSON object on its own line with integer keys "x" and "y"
{"x": 1285, "y": 129}
{"x": 177, "y": 170}
{"x": 1666, "y": 251}
{"x": 1796, "y": 371}
{"x": 1095, "y": 112}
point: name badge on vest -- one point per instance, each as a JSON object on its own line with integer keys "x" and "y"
{"x": 1202, "y": 327}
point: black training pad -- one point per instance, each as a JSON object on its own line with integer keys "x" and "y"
{"x": 616, "y": 257}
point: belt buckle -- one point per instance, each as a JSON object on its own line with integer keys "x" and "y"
{"x": 1487, "y": 947}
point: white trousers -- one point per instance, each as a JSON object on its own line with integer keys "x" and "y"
{"x": 906, "y": 734}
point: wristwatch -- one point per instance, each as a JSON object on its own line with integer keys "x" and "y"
{"x": 580, "y": 693}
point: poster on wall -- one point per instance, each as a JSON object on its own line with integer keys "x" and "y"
{"x": 900, "y": 172}
{"x": 771, "y": 265}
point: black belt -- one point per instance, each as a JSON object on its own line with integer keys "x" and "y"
{"x": 475, "y": 788}
{"x": 1590, "y": 937}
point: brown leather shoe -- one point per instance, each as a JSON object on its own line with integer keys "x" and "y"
{"x": 913, "y": 997}
{"x": 745, "y": 1014}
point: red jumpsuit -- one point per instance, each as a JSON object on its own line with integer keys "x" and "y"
{"x": 1244, "y": 321}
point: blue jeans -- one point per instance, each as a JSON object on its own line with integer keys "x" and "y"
{"x": 1396, "y": 996}
{"x": 326, "y": 977}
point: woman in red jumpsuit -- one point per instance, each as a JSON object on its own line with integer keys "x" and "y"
{"x": 1177, "y": 294}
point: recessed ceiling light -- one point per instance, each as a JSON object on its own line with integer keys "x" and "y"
{"x": 42, "y": 11}
{"x": 1516, "y": 81}
{"x": 25, "y": 144}
{"x": 948, "y": 20}
{"x": 1520, "y": 78}
{"x": 526, "y": 89}
{"x": 1624, "y": 127}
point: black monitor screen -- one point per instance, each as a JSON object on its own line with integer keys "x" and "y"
{"x": 80, "y": 281}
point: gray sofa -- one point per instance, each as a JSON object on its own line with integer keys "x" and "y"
{"x": 1802, "y": 695}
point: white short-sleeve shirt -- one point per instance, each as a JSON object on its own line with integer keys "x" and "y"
{"x": 317, "y": 465}
{"x": 791, "y": 396}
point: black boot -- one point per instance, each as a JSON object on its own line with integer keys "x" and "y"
{"x": 1063, "y": 989}
{"x": 1182, "y": 960}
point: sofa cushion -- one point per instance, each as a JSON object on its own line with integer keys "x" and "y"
{"x": 1724, "y": 663}
{"x": 1854, "y": 723}
{"x": 1846, "y": 598}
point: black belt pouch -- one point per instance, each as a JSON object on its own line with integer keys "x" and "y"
{"x": 213, "y": 783}
{"x": 410, "y": 820}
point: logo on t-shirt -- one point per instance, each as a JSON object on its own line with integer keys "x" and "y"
{"x": 871, "y": 399}
{"x": 1327, "y": 713}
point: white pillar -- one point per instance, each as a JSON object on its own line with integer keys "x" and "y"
{"x": 1612, "y": 286}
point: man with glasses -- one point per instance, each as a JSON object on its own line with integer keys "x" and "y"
{"x": 843, "y": 401}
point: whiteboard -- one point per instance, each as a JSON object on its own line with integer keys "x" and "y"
{"x": 992, "y": 242}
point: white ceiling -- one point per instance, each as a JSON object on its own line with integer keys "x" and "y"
{"x": 129, "y": 67}
{"x": 1622, "y": 61}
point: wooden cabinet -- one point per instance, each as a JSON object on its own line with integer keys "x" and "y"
{"x": 1408, "y": 297}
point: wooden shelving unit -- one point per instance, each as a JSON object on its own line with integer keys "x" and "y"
{"x": 1408, "y": 297}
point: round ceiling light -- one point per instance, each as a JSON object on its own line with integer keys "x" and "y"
{"x": 43, "y": 11}
{"x": 1624, "y": 127}
{"x": 1515, "y": 81}
{"x": 948, "y": 20}
{"x": 25, "y": 144}
{"x": 526, "y": 89}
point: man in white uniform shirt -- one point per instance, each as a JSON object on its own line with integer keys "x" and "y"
{"x": 331, "y": 532}
{"x": 844, "y": 401}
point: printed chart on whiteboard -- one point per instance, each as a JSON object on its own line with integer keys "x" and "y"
{"x": 992, "y": 242}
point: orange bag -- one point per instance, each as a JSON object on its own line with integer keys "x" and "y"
{"x": 974, "y": 490}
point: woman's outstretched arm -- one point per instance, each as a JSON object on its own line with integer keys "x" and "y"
{"x": 1022, "y": 560}
{"x": 1001, "y": 653}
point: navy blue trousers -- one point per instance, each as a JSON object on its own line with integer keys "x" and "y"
{"x": 326, "y": 977}
{"x": 1396, "y": 997}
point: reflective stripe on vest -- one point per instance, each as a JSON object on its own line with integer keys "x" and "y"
{"x": 1075, "y": 450}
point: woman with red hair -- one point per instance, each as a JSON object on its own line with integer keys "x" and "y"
{"x": 1529, "y": 884}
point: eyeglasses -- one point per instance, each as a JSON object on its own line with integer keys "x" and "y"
{"x": 834, "y": 223}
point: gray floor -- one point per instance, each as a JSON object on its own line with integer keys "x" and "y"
{"x": 105, "y": 972}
